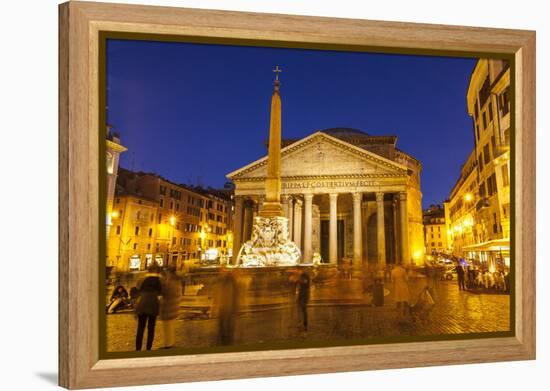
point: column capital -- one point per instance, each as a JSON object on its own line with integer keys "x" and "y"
{"x": 379, "y": 196}
{"x": 402, "y": 195}
{"x": 308, "y": 197}
{"x": 298, "y": 202}
{"x": 357, "y": 196}
{"x": 285, "y": 197}
{"x": 333, "y": 196}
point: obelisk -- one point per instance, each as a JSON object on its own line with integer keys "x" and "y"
{"x": 270, "y": 244}
{"x": 272, "y": 206}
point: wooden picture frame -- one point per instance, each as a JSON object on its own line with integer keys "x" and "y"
{"x": 79, "y": 29}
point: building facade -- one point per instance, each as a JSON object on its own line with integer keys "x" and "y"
{"x": 173, "y": 224}
{"x": 435, "y": 230}
{"x": 480, "y": 207}
{"x": 462, "y": 207}
{"x": 347, "y": 194}
{"x": 132, "y": 238}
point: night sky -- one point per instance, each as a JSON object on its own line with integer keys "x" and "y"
{"x": 193, "y": 113}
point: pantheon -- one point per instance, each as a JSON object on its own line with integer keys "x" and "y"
{"x": 347, "y": 195}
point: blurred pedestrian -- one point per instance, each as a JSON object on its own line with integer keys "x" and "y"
{"x": 226, "y": 305}
{"x": 460, "y": 277}
{"x": 171, "y": 292}
{"x": 401, "y": 292}
{"x": 303, "y": 298}
{"x": 147, "y": 307}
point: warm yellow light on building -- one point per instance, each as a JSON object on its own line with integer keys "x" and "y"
{"x": 202, "y": 235}
{"x": 114, "y": 214}
{"x": 172, "y": 220}
{"x": 468, "y": 197}
{"x": 417, "y": 255}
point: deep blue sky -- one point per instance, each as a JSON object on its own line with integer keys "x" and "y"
{"x": 194, "y": 113}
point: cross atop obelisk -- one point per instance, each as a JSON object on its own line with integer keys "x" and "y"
{"x": 272, "y": 205}
{"x": 277, "y": 70}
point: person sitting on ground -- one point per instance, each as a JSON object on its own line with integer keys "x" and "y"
{"x": 118, "y": 299}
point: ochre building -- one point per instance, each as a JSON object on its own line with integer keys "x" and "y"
{"x": 171, "y": 224}
{"x": 435, "y": 230}
{"x": 479, "y": 204}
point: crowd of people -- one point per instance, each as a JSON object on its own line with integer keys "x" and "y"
{"x": 158, "y": 295}
{"x": 497, "y": 281}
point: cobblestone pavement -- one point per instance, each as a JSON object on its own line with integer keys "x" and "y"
{"x": 332, "y": 317}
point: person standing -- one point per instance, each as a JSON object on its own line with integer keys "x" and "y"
{"x": 147, "y": 307}
{"x": 226, "y": 305}
{"x": 169, "y": 309}
{"x": 460, "y": 277}
{"x": 401, "y": 292}
{"x": 303, "y": 297}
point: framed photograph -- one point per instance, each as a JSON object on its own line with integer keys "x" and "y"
{"x": 248, "y": 195}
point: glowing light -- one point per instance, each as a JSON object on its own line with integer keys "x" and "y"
{"x": 202, "y": 235}
{"x": 114, "y": 214}
{"x": 417, "y": 254}
{"x": 172, "y": 220}
{"x": 468, "y": 197}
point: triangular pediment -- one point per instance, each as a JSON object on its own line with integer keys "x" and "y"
{"x": 323, "y": 155}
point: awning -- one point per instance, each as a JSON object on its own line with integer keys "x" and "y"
{"x": 491, "y": 245}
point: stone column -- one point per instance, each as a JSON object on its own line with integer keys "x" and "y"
{"x": 297, "y": 229}
{"x": 395, "y": 230}
{"x": 284, "y": 202}
{"x": 404, "y": 228}
{"x": 333, "y": 229}
{"x": 365, "y": 235}
{"x": 261, "y": 200}
{"x": 238, "y": 227}
{"x": 247, "y": 222}
{"x": 381, "y": 237}
{"x": 308, "y": 227}
{"x": 357, "y": 236}
{"x": 290, "y": 216}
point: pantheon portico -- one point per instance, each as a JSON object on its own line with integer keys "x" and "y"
{"x": 347, "y": 194}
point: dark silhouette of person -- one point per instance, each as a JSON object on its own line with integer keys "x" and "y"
{"x": 147, "y": 308}
{"x": 226, "y": 306}
{"x": 303, "y": 297}
{"x": 460, "y": 277}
